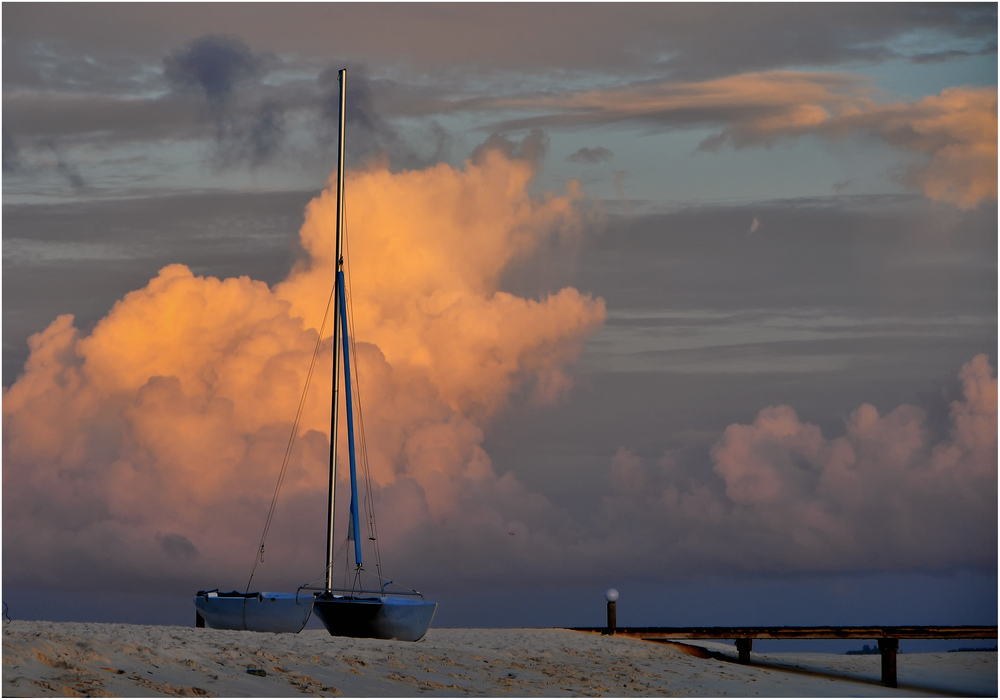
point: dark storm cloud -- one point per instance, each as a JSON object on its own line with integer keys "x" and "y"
{"x": 65, "y": 169}
{"x": 532, "y": 148}
{"x": 371, "y": 105}
{"x": 267, "y": 132}
{"x": 360, "y": 112}
{"x": 214, "y": 66}
{"x": 252, "y": 138}
{"x": 591, "y": 155}
{"x": 16, "y": 161}
{"x": 370, "y": 133}
{"x": 126, "y": 100}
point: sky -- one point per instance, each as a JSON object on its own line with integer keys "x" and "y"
{"x": 696, "y": 301}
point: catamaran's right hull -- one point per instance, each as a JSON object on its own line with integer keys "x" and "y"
{"x": 388, "y": 617}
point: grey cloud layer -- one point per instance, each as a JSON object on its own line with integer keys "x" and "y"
{"x": 661, "y": 68}
{"x": 689, "y": 41}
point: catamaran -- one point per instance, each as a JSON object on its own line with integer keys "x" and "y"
{"x": 350, "y": 609}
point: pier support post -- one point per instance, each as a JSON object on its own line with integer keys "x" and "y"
{"x": 743, "y": 646}
{"x": 888, "y": 649}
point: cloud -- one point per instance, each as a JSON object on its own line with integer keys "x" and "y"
{"x": 988, "y": 49}
{"x": 689, "y": 41}
{"x": 11, "y": 154}
{"x": 531, "y": 149}
{"x": 252, "y": 139}
{"x": 147, "y": 448}
{"x": 371, "y": 106}
{"x": 213, "y": 65}
{"x": 16, "y": 162}
{"x": 370, "y": 133}
{"x": 619, "y": 183}
{"x": 254, "y": 119}
{"x": 66, "y": 170}
{"x": 955, "y": 132}
{"x": 780, "y": 497}
{"x": 772, "y": 100}
{"x": 591, "y": 155}
{"x": 177, "y": 546}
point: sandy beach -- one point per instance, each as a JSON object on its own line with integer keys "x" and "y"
{"x": 107, "y": 660}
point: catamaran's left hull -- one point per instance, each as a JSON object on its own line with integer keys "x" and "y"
{"x": 387, "y": 617}
{"x": 259, "y": 612}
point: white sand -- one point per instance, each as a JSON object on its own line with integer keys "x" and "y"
{"x": 64, "y": 659}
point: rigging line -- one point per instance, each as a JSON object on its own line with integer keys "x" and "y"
{"x": 291, "y": 439}
{"x": 359, "y": 414}
{"x": 348, "y": 320}
{"x": 362, "y": 435}
{"x": 370, "y": 499}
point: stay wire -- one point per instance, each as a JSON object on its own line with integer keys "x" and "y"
{"x": 291, "y": 439}
{"x": 359, "y": 413}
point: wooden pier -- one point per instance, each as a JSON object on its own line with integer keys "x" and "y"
{"x": 887, "y": 637}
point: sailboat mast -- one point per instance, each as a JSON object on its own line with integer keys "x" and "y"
{"x": 330, "y": 542}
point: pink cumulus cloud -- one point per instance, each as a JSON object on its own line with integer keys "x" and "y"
{"x": 780, "y": 496}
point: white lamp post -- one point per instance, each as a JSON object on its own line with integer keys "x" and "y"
{"x": 612, "y": 597}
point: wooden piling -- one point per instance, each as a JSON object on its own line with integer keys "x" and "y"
{"x": 743, "y": 646}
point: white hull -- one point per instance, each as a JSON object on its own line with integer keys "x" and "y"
{"x": 255, "y": 612}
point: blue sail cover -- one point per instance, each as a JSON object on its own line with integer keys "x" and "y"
{"x": 350, "y": 419}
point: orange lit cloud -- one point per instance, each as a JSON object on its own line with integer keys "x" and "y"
{"x": 955, "y": 131}
{"x": 149, "y": 447}
{"x": 782, "y": 497}
{"x": 428, "y": 248}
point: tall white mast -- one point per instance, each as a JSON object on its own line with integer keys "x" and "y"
{"x": 336, "y": 337}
